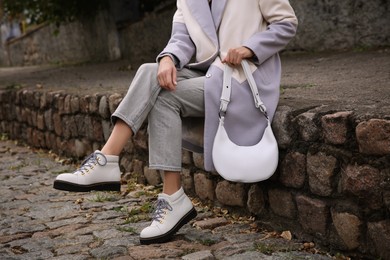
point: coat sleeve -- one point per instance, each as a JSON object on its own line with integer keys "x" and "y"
{"x": 180, "y": 44}
{"x": 281, "y": 28}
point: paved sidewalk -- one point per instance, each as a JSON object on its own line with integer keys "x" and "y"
{"x": 39, "y": 222}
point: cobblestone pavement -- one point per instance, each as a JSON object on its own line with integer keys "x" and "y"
{"x": 39, "y": 222}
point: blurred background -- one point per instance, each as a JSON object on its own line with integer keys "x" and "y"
{"x": 35, "y": 32}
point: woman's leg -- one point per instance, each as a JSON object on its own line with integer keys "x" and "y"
{"x": 174, "y": 208}
{"x": 120, "y": 134}
{"x": 100, "y": 171}
{"x": 172, "y": 182}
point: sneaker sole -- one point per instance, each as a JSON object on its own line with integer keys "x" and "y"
{"x": 167, "y": 236}
{"x": 103, "y": 186}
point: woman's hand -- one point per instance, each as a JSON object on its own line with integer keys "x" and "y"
{"x": 236, "y": 55}
{"x": 166, "y": 74}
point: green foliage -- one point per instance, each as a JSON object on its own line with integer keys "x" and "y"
{"x": 53, "y": 11}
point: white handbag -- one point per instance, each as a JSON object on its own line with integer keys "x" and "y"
{"x": 245, "y": 164}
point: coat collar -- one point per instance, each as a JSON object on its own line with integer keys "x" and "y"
{"x": 209, "y": 21}
{"x": 217, "y": 8}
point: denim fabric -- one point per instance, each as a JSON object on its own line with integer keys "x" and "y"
{"x": 164, "y": 110}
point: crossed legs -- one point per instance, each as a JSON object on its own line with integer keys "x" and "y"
{"x": 164, "y": 109}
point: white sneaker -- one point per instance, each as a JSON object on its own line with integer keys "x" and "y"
{"x": 97, "y": 172}
{"x": 171, "y": 213}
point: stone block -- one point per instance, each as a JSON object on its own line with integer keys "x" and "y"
{"x": 386, "y": 199}
{"x": 335, "y": 127}
{"x": 321, "y": 170}
{"x": 5, "y": 95}
{"x": 83, "y": 124}
{"x": 38, "y": 139}
{"x": 141, "y": 139}
{"x": 231, "y": 194}
{"x": 81, "y": 148}
{"x": 126, "y": 164}
{"x": 107, "y": 129}
{"x": 113, "y": 101}
{"x": 40, "y": 121}
{"x": 74, "y": 104}
{"x": 50, "y": 99}
{"x": 186, "y": 157}
{"x": 153, "y": 177}
{"x": 200, "y": 255}
{"x": 129, "y": 147}
{"x": 187, "y": 181}
{"x": 198, "y": 160}
{"x": 348, "y": 227}
{"x": 293, "y": 170}
{"x": 61, "y": 146}
{"x": 43, "y": 102}
{"x": 67, "y": 104}
{"x": 256, "y": 201}
{"x": 37, "y": 99}
{"x": 50, "y": 140}
{"x": 313, "y": 215}
{"x": 69, "y": 128}
{"x": 212, "y": 223}
{"x": 59, "y": 103}
{"x": 49, "y": 120}
{"x": 57, "y": 123}
{"x": 24, "y": 114}
{"x": 281, "y": 126}
{"x": 373, "y": 137}
{"x": 29, "y": 116}
{"x": 33, "y": 118}
{"x": 104, "y": 110}
{"x": 97, "y": 130}
{"x": 29, "y": 134}
{"x": 204, "y": 187}
{"x": 18, "y": 114}
{"x": 84, "y": 104}
{"x": 363, "y": 181}
{"x": 308, "y": 130}
{"x": 93, "y": 105}
{"x": 282, "y": 203}
{"x": 27, "y": 98}
{"x": 18, "y": 131}
{"x": 379, "y": 234}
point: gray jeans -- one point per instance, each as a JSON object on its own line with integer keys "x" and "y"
{"x": 164, "y": 109}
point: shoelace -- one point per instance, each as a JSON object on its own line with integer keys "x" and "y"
{"x": 160, "y": 212}
{"x": 90, "y": 162}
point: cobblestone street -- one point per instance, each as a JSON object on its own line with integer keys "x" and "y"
{"x": 39, "y": 222}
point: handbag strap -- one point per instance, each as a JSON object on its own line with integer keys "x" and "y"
{"x": 227, "y": 89}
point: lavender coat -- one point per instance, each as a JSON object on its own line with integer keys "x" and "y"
{"x": 264, "y": 26}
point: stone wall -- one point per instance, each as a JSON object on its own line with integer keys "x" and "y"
{"x": 332, "y": 185}
{"x": 338, "y": 25}
{"x": 74, "y": 42}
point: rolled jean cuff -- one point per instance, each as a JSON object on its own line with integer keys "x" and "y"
{"x": 164, "y": 168}
{"x": 116, "y": 116}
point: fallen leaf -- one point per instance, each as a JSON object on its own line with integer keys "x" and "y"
{"x": 286, "y": 235}
{"x": 79, "y": 201}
